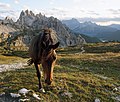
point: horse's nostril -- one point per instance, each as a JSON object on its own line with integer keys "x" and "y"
{"x": 48, "y": 82}
{"x": 45, "y": 81}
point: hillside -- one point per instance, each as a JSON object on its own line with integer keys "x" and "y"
{"x": 90, "y": 39}
{"x": 89, "y": 77}
{"x": 110, "y": 36}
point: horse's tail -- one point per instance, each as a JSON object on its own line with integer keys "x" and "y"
{"x": 30, "y": 62}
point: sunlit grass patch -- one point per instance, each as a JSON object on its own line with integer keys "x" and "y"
{"x": 10, "y": 59}
{"x": 80, "y": 85}
{"x": 102, "y": 47}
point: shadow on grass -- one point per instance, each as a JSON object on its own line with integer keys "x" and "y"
{"x": 8, "y": 98}
{"x": 22, "y": 54}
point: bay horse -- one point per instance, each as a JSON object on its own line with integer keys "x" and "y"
{"x": 42, "y": 51}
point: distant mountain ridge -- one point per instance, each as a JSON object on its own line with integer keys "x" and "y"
{"x": 72, "y": 24}
{"x": 92, "y": 29}
{"x": 117, "y": 26}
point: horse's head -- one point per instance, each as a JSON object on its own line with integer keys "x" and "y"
{"x": 48, "y": 62}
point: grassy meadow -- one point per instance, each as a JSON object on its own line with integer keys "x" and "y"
{"x": 78, "y": 77}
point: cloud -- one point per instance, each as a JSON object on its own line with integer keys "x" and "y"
{"x": 16, "y": 1}
{"x": 57, "y": 12}
{"x": 115, "y": 12}
{"x": 65, "y": 13}
{"x": 25, "y": 7}
{"x": 77, "y": 1}
{"x": 52, "y": 2}
{"x": 4, "y": 5}
{"x": 92, "y": 13}
{"x": 11, "y": 13}
{"x": 100, "y": 19}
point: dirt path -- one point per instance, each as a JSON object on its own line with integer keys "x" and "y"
{"x": 14, "y": 66}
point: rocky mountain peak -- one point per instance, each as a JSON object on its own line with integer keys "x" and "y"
{"x": 72, "y": 23}
{"x": 26, "y": 13}
{"x": 22, "y": 13}
{"x": 32, "y": 25}
{"x": 30, "y": 13}
{"x": 26, "y": 18}
{"x": 39, "y": 15}
{"x": 89, "y": 23}
{"x": 8, "y": 18}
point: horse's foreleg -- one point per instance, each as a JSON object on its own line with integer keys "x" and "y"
{"x": 39, "y": 78}
{"x": 38, "y": 75}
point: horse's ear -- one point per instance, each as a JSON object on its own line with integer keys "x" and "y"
{"x": 55, "y": 45}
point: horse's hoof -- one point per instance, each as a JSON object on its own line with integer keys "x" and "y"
{"x": 42, "y": 90}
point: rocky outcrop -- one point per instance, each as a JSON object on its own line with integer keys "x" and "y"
{"x": 26, "y": 19}
{"x": 6, "y": 29}
{"x": 29, "y": 25}
{"x": 8, "y": 20}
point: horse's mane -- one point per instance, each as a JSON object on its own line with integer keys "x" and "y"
{"x": 46, "y": 38}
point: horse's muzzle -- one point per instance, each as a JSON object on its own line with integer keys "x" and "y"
{"x": 48, "y": 82}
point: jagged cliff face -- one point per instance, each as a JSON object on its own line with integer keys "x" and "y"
{"x": 29, "y": 22}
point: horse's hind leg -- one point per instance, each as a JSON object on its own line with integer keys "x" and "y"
{"x": 39, "y": 77}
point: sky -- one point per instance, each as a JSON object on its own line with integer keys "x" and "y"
{"x": 102, "y": 12}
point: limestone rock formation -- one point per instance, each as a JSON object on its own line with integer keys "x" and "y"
{"x": 29, "y": 25}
